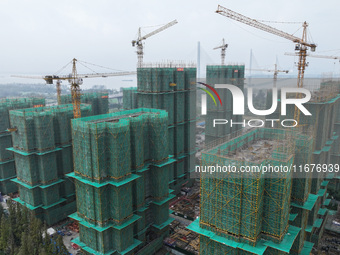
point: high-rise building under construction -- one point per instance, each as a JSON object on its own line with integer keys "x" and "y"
{"x": 7, "y": 164}
{"x": 99, "y": 101}
{"x": 262, "y": 213}
{"x": 171, "y": 87}
{"x": 122, "y": 166}
{"x": 42, "y": 146}
{"x": 222, "y": 74}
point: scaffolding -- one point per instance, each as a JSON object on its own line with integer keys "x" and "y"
{"x": 244, "y": 206}
{"x": 42, "y": 146}
{"x": 309, "y": 191}
{"x": 7, "y": 165}
{"x": 121, "y": 169}
{"x": 130, "y": 98}
{"x": 98, "y": 100}
{"x": 222, "y": 74}
{"x": 249, "y": 212}
{"x": 171, "y": 87}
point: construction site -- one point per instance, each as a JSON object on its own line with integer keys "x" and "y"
{"x": 178, "y": 168}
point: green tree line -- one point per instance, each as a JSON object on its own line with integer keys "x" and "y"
{"x": 23, "y": 234}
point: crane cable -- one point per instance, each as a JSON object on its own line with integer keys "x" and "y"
{"x": 61, "y": 69}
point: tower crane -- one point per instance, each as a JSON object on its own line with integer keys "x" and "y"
{"x": 275, "y": 71}
{"x": 301, "y": 43}
{"x": 75, "y": 81}
{"x": 223, "y": 48}
{"x": 139, "y": 41}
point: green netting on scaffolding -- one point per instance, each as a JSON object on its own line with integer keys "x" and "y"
{"x": 58, "y": 212}
{"x": 130, "y": 98}
{"x": 7, "y": 104}
{"x": 33, "y": 169}
{"x": 190, "y": 137}
{"x": 98, "y": 100}
{"x": 94, "y": 207}
{"x": 272, "y": 251}
{"x": 50, "y": 195}
{"x": 276, "y": 204}
{"x": 106, "y": 242}
{"x": 313, "y": 214}
{"x": 30, "y": 196}
{"x": 299, "y": 242}
{"x": 5, "y": 142}
{"x": 190, "y": 104}
{"x": 160, "y": 213}
{"x": 121, "y": 165}
{"x": 301, "y": 180}
{"x": 209, "y": 246}
{"x": 7, "y": 187}
{"x": 64, "y": 161}
{"x": 43, "y": 154}
{"x": 239, "y": 203}
{"x": 179, "y": 168}
{"x": 322, "y": 111}
{"x": 301, "y": 222}
{"x": 217, "y": 74}
{"x": 102, "y": 145}
{"x": 43, "y": 128}
{"x": 159, "y": 182}
{"x": 179, "y": 140}
{"x": 232, "y": 206}
{"x": 139, "y": 190}
{"x": 7, "y": 169}
{"x": 336, "y": 145}
{"x": 156, "y": 79}
{"x": 171, "y": 89}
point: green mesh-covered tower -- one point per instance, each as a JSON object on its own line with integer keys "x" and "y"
{"x": 98, "y": 100}
{"x": 171, "y": 88}
{"x": 249, "y": 212}
{"x": 309, "y": 194}
{"x": 42, "y": 146}
{"x": 222, "y": 74}
{"x": 7, "y": 165}
{"x": 130, "y": 98}
{"x": 122, "y": 164}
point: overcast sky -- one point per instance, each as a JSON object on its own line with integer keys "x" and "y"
{"x": 40, "y": 37}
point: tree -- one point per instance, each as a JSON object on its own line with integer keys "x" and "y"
{"x": 24, "y": 245}
{"x": 4, "y": 233}
{"x": 61, "y": 247}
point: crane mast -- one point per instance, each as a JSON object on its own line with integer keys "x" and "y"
{"x": 275, "y": 71}
{"x": 223, "y": 48}
{"x": 139, "y": 41}
{"x": 301, "y": 43}
{"x": 75, "y": 90}
{"x": 58, "y": 87}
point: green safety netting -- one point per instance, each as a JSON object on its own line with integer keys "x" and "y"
{"x": 98, "y": 100}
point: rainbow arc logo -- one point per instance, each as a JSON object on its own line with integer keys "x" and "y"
{"x": 209, "y": 93}
{"x": 204, "y": 97}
